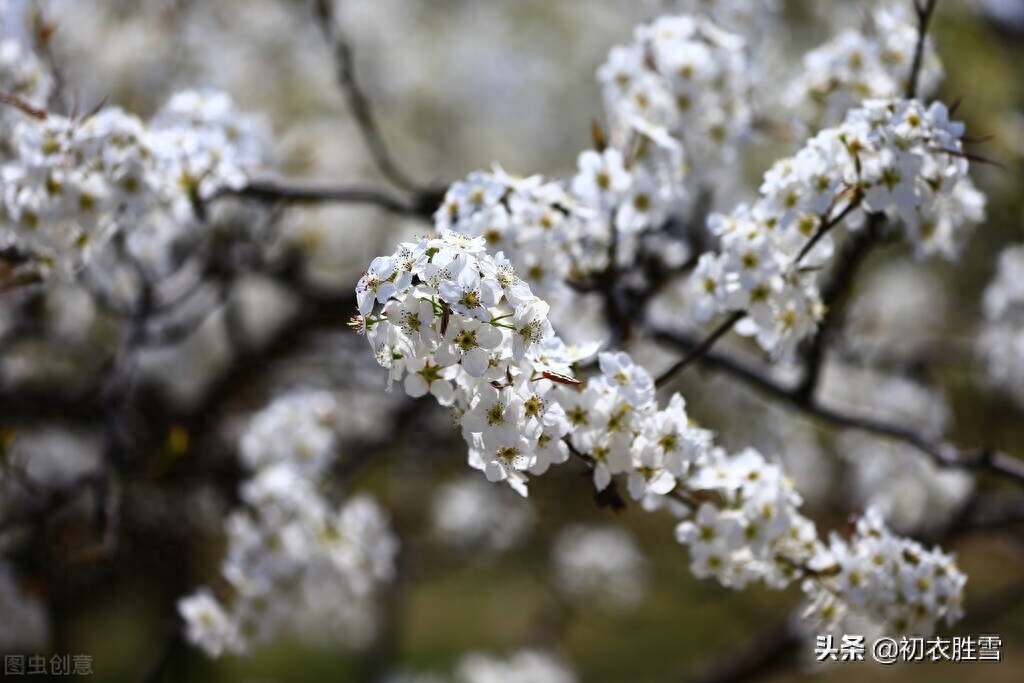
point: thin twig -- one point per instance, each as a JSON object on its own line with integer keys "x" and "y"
{"x": 924, "y": 17}
{"x": 736, "y": 316}
{"x": 280, "y": 190}
{"x": 13, "y": 100}
{"x": 824, "y": 230}
{"x": 944, "y": 454}
{"x": 701, "y": 348}
{"x": 358, "y": 102}
{"x": 833, "y": 296}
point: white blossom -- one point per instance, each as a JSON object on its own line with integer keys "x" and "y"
{"x": 896, "y": 158}
{"x": 871, "y": 63}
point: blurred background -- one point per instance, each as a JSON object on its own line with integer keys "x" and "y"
{"x": 458, "y": 85}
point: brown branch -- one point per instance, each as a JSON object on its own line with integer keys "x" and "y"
{"x": 700, "y": 349}
{"x": 824, "y": 230}
{"x": 299, "y": 192}
{"x": 736, "y": 316}
{"x": 833, "y": 296}
{"x": 13, "y": 100}
{"x": 924, "y": 17}
{"x": 358, "y": 102}
{"x": 992, "y": 512}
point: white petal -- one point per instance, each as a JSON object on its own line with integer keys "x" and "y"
{"x": 443, "y": 392}
{"x": 475, "y": 362}
{"x": 415, "y": 385}
{"x": 494, "y": 471}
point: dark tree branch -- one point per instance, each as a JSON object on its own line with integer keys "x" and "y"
{"x": 421, "y": 205}
{"x": 924, "y": 17}
{"x": 825, "y": 229}
{"x": 944, "y": 454}
{"x": 700, "y": 349}
{"x": 736, "y": 316}
{"x": 989, "y": 513}
{"x": 834, "y": 296}
{"x": 358, "y": 102}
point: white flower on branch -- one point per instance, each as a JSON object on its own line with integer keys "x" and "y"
{"x": 739, "y": 514}
{"x": 892, "y": 157}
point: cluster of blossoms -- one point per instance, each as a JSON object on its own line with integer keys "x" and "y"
{"x": 555, "y": 234}
{"x": 891, "y": 579}
{"x": 677, "y": 103}
{"x": 459, "y": 324}
{"x": 1001, "y": 340}
{"x": 537, "y": 225}
{"x": 300, "y": 430}
{"x": 615, "y": 420}
{"x": 749, "y": 527}
{"x": 740, "y": 518}
{"x": 858, "y": 65}
{"x": 68, "y": 184}
{"x": 684, "y": 76}
{"x": 295, "y": 561}
{"x": 599, "y": 565}
{"x": 205, "y": 143}
{"x": 892, "y": 157}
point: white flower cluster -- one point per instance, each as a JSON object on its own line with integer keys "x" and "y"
{"x": 747, "y": 525}
{"x": 469, "y": 514}
{"x": 460, "y": 325}
{"x": 750, "y": 527}
{"x": 555, "y": 235}
{"x": 615, "y": 420}
{"x": 453, "y": 325}
{"x": 677, "y": 102}
{"x": 537, "y": 225}
{"x": 599, "y": 565}
{"x": 300, "y": 431}
{"x": 204, "y": 142}
{"x": 69, "y": 183}
{"x": 1001, "y": 338}
{"x": 295, "y": 561}
{"x": 858, "y": 65}
{"x": 895, "y": 157}
{"x": 890, "y": 579}
{"x": 684, "y": 75}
